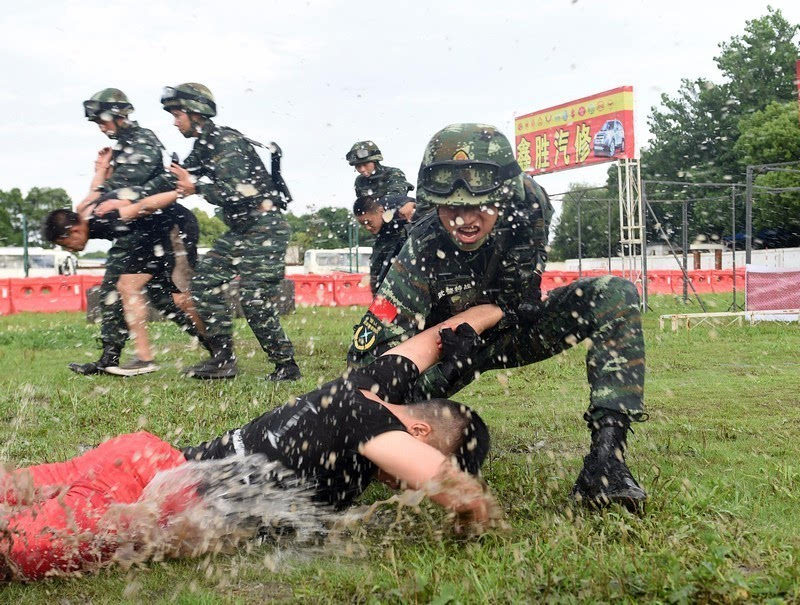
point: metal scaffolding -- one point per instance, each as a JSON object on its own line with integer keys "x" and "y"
{"x": 633, "y": 238}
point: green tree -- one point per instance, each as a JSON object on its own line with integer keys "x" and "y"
{"x": 760, "y": 65}
{"x": 323, "y": 228}
{"x": 34, "y": 206}
{"x": 695, "y": 131}
{"x": 594, "y": 207}
{"x": 211, "y": 227}
{"x": 8, "y": 237}
{"x": 770, "y": 136}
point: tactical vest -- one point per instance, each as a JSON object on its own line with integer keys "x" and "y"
{"x": 377, "y": 184}
{"x": 458, "y": 279}
{"x": 237, "y": 210}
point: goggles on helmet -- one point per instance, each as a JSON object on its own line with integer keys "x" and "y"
{"x": 171, "y": 94}
{"x": 92, "y": 109}
{"x": 442, "y": 178}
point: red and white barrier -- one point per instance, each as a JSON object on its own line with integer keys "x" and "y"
{"x": 68, "y": 293}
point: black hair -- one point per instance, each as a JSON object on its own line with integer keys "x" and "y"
{"x": 473, "y": 443}
{"x": 364, "y": 204}
{"x": 58, "y": 223}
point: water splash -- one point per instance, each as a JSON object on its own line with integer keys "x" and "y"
{"x": 219, "y": 506}
{"x": 194, "y": 509}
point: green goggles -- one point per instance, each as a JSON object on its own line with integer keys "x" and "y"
{"x": 93, "y": 109}
{"x": 172, "y": 96}
{"x": 442, "y": 178}
{"x": 360, "y": 155}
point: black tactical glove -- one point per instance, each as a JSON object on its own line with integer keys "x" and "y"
{"x": 528, "y": 311}
{"x": 459, "y": 348}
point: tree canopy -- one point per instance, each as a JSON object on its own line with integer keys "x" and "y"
{"x": 594, "y": 206}
{"x": 211, "y": 227}
{"x": 710, "y": 131}
{"x": 34, "y": 206}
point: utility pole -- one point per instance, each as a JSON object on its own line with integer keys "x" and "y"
{"x": 25, "y": 262}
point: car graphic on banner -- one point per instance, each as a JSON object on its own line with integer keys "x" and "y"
{"x": 609, "y": 139}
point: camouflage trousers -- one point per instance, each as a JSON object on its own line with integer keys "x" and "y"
{"x": 604, "y": 310}
{"x": 257, "y": 256}
{"x": 113, "y": 328}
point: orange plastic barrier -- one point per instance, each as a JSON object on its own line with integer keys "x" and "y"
{"x": 5, "y": 297}
{"x": 351, "y": 289}
{"x": 68, "y": 293}
{"x": 47, "y": 294}
{"x": 313, "y": 290}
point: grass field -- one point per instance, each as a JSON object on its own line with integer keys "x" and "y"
{"x": 719, "y": 458}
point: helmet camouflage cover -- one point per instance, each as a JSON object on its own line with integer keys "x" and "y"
{"x": 107, "y": 104}
{"x": 363, "y": 151}
{"x": 469, "y": 165}
{"x": 190, "y": 97}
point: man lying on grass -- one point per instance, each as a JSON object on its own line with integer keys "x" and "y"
{"x": 335, "y": 440}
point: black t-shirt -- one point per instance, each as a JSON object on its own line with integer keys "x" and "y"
{"x": 153, "y": 227}
{"x": 318, "y": 435}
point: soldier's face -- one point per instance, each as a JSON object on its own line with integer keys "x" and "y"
{"x": 183, "y": 123}
{"x": 468, "y": 225}
{"x": 372, "y": 221}
{"x": 365, "y": 169}
{"x": 108, "y": 128}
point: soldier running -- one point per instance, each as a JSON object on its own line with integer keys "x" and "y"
{"x": 134, "y": 161}
{"x": 486, "y": 244}
{"x": 378, "y": 181}
{"x": 225, "y": 169}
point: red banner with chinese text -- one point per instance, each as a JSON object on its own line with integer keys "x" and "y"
{"x": 587, "y": 131}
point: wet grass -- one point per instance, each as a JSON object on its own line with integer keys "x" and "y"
{"x": 719, "y": 458}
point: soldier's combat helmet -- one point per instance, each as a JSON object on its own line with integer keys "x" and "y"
{"x": 469, "y": 165}
{"x": 190, "y": 97}
{"x": 362, "y": 152}
{"x": 106, "y": 105}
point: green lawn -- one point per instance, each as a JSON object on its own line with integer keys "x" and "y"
{"x": 719, "y": 459}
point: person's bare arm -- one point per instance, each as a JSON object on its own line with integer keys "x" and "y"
{"x": 423, "y": 348}
{"x": 102, "y": 170}
{"x": 403, "y": 459}
{"x": 130, "y": 211}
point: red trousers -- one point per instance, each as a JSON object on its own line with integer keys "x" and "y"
{"x": 55, "y": 534}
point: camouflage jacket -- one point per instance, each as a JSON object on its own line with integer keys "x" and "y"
{"x": 432, "y": 279}
{"x": 385, "y": 181}
{"x": 387, "y": 245}
{"x": 230, "y": 175}
{"x": 136, "y": 160}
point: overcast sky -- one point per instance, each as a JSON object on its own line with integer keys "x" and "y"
{"x": 317, "y": 76}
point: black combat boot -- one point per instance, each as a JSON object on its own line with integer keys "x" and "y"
{"x": 222, "y": 363}
{"x": 605, "y": 478}
{"x": 205, "y": 342}
{"x": 286, "y": 371}
{"x": 109, "y": 359}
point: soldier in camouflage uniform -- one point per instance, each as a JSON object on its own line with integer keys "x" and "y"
{"x": 254, "y": 247}
{"x": 378, "y": 181}
{"x": 133, "y": 165}
{"x": 486, "y": 244}
{"x": 388, "y": 227}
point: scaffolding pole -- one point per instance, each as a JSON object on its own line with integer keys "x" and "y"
{"x": 631, "y": 225}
